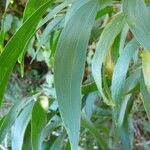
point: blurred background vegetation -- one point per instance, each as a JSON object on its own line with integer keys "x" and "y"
{"x": 38, "y": 78}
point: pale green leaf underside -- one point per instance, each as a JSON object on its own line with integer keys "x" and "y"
{"x": 10, "y": 118}
{"x": 20, "y": 126}
{"x": 137, "y": 16}
{"x": 31, "y": 7}
{"x": 121, "y": 68}
{"x": 112, "y": 29}
{"x": 69, "y": 65}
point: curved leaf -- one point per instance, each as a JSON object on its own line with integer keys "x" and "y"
{"x": 38, "y": 121}
{"x": 146, "y": 68}
{"x": 69, "y": 67}
{"x": 20, "y": 126}
{"x": 16, "y": 45}
{"x": 107, "y": 38}
{"x": 31, "y": 7}
{"x": 10, "y": 118}
{"x": 121, "y": 68}
{"x": 137, "y": 16}
{"x": 86, "y": 123}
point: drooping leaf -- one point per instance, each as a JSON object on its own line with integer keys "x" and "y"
{"x": 31, "y": 7}
{"x": 16, "y": 45}
{"x": 38, "y": 121}
{"x": 49, "y": 28}
{"x": 121, "y": 69}
{"x": 69, "y": 66}
{"x": 119, "y": 77}
{"x": 137, "y": 16}
{"x": 55, "y": 11}
{"x": 107, "y": 38}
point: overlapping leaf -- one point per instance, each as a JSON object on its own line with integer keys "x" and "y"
{"x": 20, "y": 127}
{"x": 137, "y": 16}
{"x": 121, "y": 69}
{"x": 16, "y": 45}
{"x": 112, "y": 29}
{"x": 38, "y": 121}
{"x": 10, "y": 118}
{"x": 145, "y": 96}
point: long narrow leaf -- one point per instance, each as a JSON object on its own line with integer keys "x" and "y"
{"x": 20, "y": 126}
{"x": 146, "y": 68}
{"x": 10, "y": 118}
{"x": 107, "y": 38}
{"x": 86, "y": 123}
{"x": 16, "y": 45}
{"x": 121, "y": 69}
{"x": 137, "y": 16}
{"x": 145, "y": 97}
{"x": 69, "y": 66}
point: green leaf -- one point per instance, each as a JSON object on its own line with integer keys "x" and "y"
{"x": 107, "y": 38}
{"x": 51, "y": 125}
{"x": 57, "y": 145}
{"x": 20, "y": 126}
{"x": 31, "y": 7}
{"x": 69, "y": 67}
{"x": 121, "y": 68}
{"x": 105, "y": 3}
{"x": 124, "y": 129}
{"x": 49, "y": 28}
{"x": 145, "y": 97}
{"x": 119, "y": 77}
{"x": 86, "y": 123}
{"x": 10, "y": 118}
{"x": 16, "y": 45}
{"x": 137, "y": 16}
{"x": 55, "y": 11}
{"x": 146, "y": 68}
{"x": 89, "y": 87}
{"x": 38, "y": 121}
{"x": 7, "y": 4}
{"x": 27, "y": 138}
{"x": 123, "y": 37}
{"x": 132, "y": 82}
{"x": 90, "y": 100}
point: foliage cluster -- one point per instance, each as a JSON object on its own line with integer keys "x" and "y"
{"x": 79, "y": 74}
